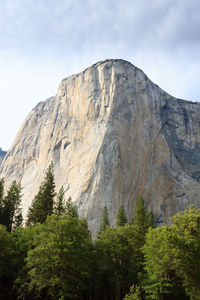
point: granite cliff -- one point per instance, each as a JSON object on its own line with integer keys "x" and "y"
{"x": 112, "y": 134}
{"x": 2, "y": 154}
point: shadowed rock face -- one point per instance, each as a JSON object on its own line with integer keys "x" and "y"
{"x": 111, "y": 134}
{"x": 2, "y": 154}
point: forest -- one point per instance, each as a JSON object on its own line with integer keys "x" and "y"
{"x": 53, "y": 256}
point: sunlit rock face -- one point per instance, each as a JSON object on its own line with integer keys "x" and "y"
{"x": 112, "y": 134}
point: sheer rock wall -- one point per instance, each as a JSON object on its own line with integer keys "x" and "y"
{"x": 112, "y": 134}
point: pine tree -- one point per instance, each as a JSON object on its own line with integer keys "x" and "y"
{"x": 1, "y": 188}
{"x": 11, "y": 209}
{"x": 42, "y": 205}
{"x": 150, "y": 219}
{"x": 141, "y": 218}
{"x": 104, "y": 221}
{"x": 1, "y": 199}
{"x": 71, "y": 209}
{"x": 121, "y": 218}
{"x": 59, "y": 208}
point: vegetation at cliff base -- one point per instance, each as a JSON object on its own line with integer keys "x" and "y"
{"x": 10, "y": 206}
{"x": 42, "y": 205}
{"x": 54, "y": 256}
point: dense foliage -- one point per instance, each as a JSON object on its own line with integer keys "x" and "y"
{"x": 42, "y": 205}
{"x": 10, "y": 206}
{"x": 172, "y": 258}
{"x": 59, "y": 265}
{"x": 104, "y": 223}
{"x": 54, "y": 256}
{"x": 121, "y": 218}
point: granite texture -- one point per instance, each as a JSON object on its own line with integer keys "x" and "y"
{"x": 112, "y": 134}
{"x": 2, "y": 155}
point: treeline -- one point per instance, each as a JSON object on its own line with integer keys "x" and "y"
{"x": 54, "y": 256}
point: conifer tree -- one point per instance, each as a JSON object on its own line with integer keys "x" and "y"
{"x": 141, "y": 218}
{"x": 71, "y": 209}
{"x": 1, "y": 188}
{"x": 150, "y": 219}
{"x": 104, "y": 221}
{"x": 1, "y": 199}
{"x": 11, "y": 209}
{"x": 121, "y": 218}
{"x": 59, "y": 208}
{"x": 140, "y": 215}
{"x": 42, "y": 205}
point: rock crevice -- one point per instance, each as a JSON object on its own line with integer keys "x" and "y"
{"x": 112, "y": 134}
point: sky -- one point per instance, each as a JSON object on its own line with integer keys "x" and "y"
{"x": 44, "y": 41}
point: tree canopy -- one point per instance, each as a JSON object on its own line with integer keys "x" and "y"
{"x": 104, "y": 223}
{"x": 55, "y": 257}
{"x": 42, "y": 205}
{"x": 172, "y": 258}
{"x": 60, "y": 206}
{"x": 66, "y": 244}
{"x": 121, "y": 218}
{"x": 10, "y": 206}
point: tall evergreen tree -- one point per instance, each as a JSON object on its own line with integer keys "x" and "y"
{"x": 11, "y": 209}
{"x": 141, "y": 218}
{"x": 140, "y": 215}
{"x": 121, "y": 218}
{"x": 1, "y": 188}
{"x": 104, "y": 220}
{"x": 71, "y": 209}
{"x": 150, "y": 219}
{"x": 1, "y": 199}
{"x": 60, "y": 207}
{"x": 42, "y": 205}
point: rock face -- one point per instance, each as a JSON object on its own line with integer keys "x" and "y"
{"x": 2, "y": 154}
{"x": 112, "y": 134}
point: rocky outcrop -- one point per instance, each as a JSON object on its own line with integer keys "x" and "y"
{"x": 112, "y": 134}
{"x": 2, "y": 154}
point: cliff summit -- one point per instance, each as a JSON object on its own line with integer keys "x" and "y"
{"x": 112, "y": 134}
